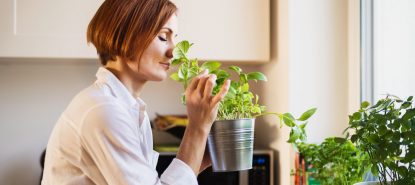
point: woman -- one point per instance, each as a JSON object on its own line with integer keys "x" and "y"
{"x": 104, "y": 136}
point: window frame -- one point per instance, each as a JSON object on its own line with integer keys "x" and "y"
{"x": 367, "y": 50}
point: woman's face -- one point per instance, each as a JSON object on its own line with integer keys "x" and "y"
{"x": 156, "y": 59}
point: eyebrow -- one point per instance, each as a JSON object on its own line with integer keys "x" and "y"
{"x": 169, "y": 29}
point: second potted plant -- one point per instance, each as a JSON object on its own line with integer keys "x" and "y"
{"x": 386, "y": 132}
{"x": 334, "y": 161}
{"x": 231, "y": 138}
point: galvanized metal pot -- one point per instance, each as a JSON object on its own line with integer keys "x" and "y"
{"x": 231, "y": 144}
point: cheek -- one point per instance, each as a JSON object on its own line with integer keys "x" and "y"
{"x": 158, "y": 50}
{"x": 147, "y": 64}
{"x": 154, "y": 54}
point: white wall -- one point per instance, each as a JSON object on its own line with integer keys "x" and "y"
{"x": 313, "y": 64}
{"x": 318, "y": 64}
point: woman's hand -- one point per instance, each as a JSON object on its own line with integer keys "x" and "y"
{"x": 202, "y": 106}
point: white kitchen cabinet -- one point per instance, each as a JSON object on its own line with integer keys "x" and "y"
{"x": 46, "y": 28}
{"x": 226, "y": 30}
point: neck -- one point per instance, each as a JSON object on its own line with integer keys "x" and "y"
{"x": 126, "y": 72}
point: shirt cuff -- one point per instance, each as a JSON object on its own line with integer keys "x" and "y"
{"x": 179, "y": 173}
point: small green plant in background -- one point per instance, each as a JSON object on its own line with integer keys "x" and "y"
{"x": 386, "y": 132}
{"x": 335, "y": 161}
{"x": 239, "y": 102}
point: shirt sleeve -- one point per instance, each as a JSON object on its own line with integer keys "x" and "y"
{"x": 111, "y": 137}
{"x": 178, "y": 172}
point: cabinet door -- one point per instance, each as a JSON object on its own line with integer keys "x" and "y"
{"x": 227, "y": 30}
{"x": 46, "y": 28}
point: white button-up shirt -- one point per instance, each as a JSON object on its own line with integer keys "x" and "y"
{"x": 104, "y": 137}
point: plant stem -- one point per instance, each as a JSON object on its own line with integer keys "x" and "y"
{"x": 382, "y": 176}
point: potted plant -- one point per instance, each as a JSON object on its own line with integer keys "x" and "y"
{"x": 386, "y": 132}
{"x": 230, "y": 141}
{"x": 334, "y": 161}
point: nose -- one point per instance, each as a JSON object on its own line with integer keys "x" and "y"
{"x": 169, "y": 53}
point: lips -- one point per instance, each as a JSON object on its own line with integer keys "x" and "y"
{"x": 165, "y": 64}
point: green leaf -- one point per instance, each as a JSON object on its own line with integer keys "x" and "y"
{"x": 182, "y": 73}
{"x": 230, "y": 94}
{"x": 339, "y": 140}
{"x": 256, "y": 110}
{"x": 181, "y": 49}
{"x": 374, "y": 170}
{"x": 382, "y": 130}
{"x": 354, "y": 138}
{"x": 236, "y": 69}
{"x": 357, "y": 116}
{"x": 192, "y": 73}
{"x": 402, "y": 170}
{"x": 176, "y": 62}
{"x": 221, "y": 74}
{"x": 257, "y": 76}
{"x": 307, "y": 114}
{"x": 245, "y": 88}
{"x": 410, "y": 156}
{"x": 210, "y": 65}
{"x": 195, "y": 65}
{"x": 288, "y": 119}
{"x": 373, "y": 139}
{"x": 405, "y": 105}
{"x": 410, "y": 98}
{"x": 175, "y": 77}
{"x": 409, "y": 114}
{"x": 294, "y": 135}
{"x": 235, "y": 85}
{"x": 243, "y": 78}
{"x": 302, "y": 126}
{"x": 365, "y": 104}
{"x": 232, "y": 90}
{"x": 382, "y": 104}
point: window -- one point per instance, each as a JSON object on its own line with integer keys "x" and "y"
{"x": 388, "y": 48}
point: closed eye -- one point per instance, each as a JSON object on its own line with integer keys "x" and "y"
{"x": 162, "y": 39}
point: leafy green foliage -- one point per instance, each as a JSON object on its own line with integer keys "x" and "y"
{"x": 335, "y": 161}
{"x": 239, "y": 102}
{"x": 386, "y": 131}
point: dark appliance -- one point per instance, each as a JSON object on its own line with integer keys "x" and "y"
{"x": 260, "y": 174}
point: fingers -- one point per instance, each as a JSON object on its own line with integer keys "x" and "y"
{"x": 202, "y": 83}
{"x": 222, "y": 93}
{"x": 210, "y": 83}
{"x": 195, "y": 81}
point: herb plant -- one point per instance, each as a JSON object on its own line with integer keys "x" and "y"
{"x": 239, "y": 102}
{"x": 386, "y": 132}
{"x": 335, "y": 161}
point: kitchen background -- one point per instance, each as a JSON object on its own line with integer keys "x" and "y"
{"x": 308, "y": 49}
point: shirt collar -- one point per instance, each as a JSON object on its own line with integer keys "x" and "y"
{"x": 118, "y": 89}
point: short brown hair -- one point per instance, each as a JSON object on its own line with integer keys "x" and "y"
{"x": 125, "y": 28}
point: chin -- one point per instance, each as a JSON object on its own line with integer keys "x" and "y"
{"x": 155, "y": 75}
{"x": 160, "y": 77}
{"x": 158, "y": 80}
